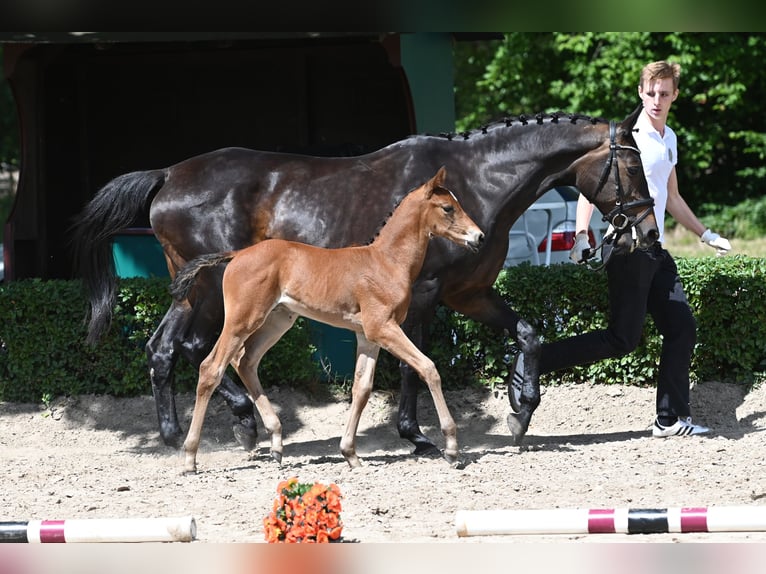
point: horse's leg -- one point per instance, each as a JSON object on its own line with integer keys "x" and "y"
{"x": 489, "y": 308}
{"x": 391, "y": 337}
{"x": 161, "y": 353}
{"x": 210, "y": 373}
{"x": 364, "y": 372}
{"x": 276, "y": 325}
{"x": 197, "y": 342}
{"x": 416, "y": 326}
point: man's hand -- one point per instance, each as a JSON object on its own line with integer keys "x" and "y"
{"x": 581, "y": 250}
{"x": 720, "y": 244}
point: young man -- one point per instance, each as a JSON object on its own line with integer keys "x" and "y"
{"x": 643, "y": 281}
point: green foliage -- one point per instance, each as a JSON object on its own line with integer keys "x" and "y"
{"x": 717, "y": 116}
{"x": 43, "y": 353}
{"x": 727, "y": 295}
{"x": 745, "y": 220}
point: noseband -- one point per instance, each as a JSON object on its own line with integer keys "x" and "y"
{"x": 621, "y": 222}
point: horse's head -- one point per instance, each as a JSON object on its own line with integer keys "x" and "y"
{"x": 446, "y": 217}
{"x": 612, "y": 178}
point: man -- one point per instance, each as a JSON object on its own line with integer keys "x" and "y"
{"x": 644, "y": 280}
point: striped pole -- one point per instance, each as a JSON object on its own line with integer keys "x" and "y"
{"x": 615, "y": 520}
{"x": 182, "y": 529}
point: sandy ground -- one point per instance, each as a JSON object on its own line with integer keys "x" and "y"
{"x": 588, "y": 446}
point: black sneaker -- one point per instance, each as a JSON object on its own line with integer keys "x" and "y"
{"x": 517, "y": 382}
{"x": 682, "y": 427}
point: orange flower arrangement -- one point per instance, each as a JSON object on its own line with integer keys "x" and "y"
{"x": 304, "y": 513}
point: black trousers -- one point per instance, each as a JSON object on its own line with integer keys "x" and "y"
{"x": 640, "y": 282}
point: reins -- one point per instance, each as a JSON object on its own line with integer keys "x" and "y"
{"x": 620, "y": 221}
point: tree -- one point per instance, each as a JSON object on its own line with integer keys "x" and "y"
{"x": 721, "y": 128}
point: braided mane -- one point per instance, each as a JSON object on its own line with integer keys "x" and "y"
{"x": 522, "y": 119}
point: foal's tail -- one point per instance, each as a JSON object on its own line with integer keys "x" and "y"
{"x": 184, "y": 279}
{"x": 113, "y": 208}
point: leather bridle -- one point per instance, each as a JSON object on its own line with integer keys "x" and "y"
{"x": 620, "y": 221}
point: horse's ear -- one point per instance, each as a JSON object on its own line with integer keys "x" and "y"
{"x": 628, "y": 123}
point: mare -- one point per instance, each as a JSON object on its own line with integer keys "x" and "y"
{"x": 363, "y": 288}
{"x": 231, "y": 198}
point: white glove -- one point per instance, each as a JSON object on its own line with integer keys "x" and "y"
{"x": 581, "y": 250}
{"x": 720, "y": 244}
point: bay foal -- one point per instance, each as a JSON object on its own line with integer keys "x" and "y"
{"x": 366, "y": 289}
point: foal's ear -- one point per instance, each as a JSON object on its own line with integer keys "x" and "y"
{"x": 440, "y": 176}
{"x": 436, "y": 181}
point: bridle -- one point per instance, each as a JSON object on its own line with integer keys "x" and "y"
{"x": 620, "y": 221}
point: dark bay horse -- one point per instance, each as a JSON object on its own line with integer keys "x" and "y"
{"x": 231, "y": 198}
{"x": 366, "y": 289}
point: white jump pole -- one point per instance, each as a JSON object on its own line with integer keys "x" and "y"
{"x": 179, "y": 529}
{"x": 614, "y": 520}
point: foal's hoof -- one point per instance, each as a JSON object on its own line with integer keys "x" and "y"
{"x": 452, "y": 459}
{"x": 276, "y": 456}
{"x": 189, "y": 471}
{"x": 354, "y": 461}
{"x": 245, "y": 436}
{"x": 517, "y": 428}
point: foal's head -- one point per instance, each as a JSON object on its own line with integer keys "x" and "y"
{"x": 445, "y": 217}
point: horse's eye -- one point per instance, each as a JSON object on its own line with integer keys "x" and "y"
{"x": 448, "y": 209}
{"x": 633, "y": 170}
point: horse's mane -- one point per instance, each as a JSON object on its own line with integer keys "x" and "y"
{"x": 522, "y": 119}
{"x": 391, "y": 213}
{"x": 385, "y": 220}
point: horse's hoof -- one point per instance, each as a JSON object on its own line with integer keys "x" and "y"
{"x": 452, "y": 459}
{"x": 276, "y": 456}
{"x": 188, "y": 472}
{"x": 174, "y": 439}
{"x": 517, "y": 428}
{"x": 424, "y": 447}
{"x": 246, "y": 437}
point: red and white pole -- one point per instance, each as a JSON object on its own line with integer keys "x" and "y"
{"x": 182, "y": 529}
{"x": 611, "y": 520}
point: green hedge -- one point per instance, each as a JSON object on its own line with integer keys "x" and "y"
{"x": 727, "y": 295}
{"x": 42, "y": 350}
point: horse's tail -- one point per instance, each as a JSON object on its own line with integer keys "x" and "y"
{"x": 184, "y": 279}
{"x": 113, "y": 208}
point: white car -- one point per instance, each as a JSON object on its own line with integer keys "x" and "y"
{"x": 545, "y": 233}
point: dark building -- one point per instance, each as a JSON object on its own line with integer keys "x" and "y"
{"x": 94, "y": 106}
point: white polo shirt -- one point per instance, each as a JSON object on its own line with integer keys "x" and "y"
{"x": 658, "y": 155}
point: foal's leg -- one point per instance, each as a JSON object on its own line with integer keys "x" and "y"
{"x": 277, "y": 324}
{"x": 210, "y": 372}
{"x": 364, "y": 373}
{"x": 391, "y": 337}
{"x": 197, "y": 343}
{"x": 416, "y": 327}
{"x": 184, "y": 330}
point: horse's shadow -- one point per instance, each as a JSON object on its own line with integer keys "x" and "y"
{"x": 480, "y": 434}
